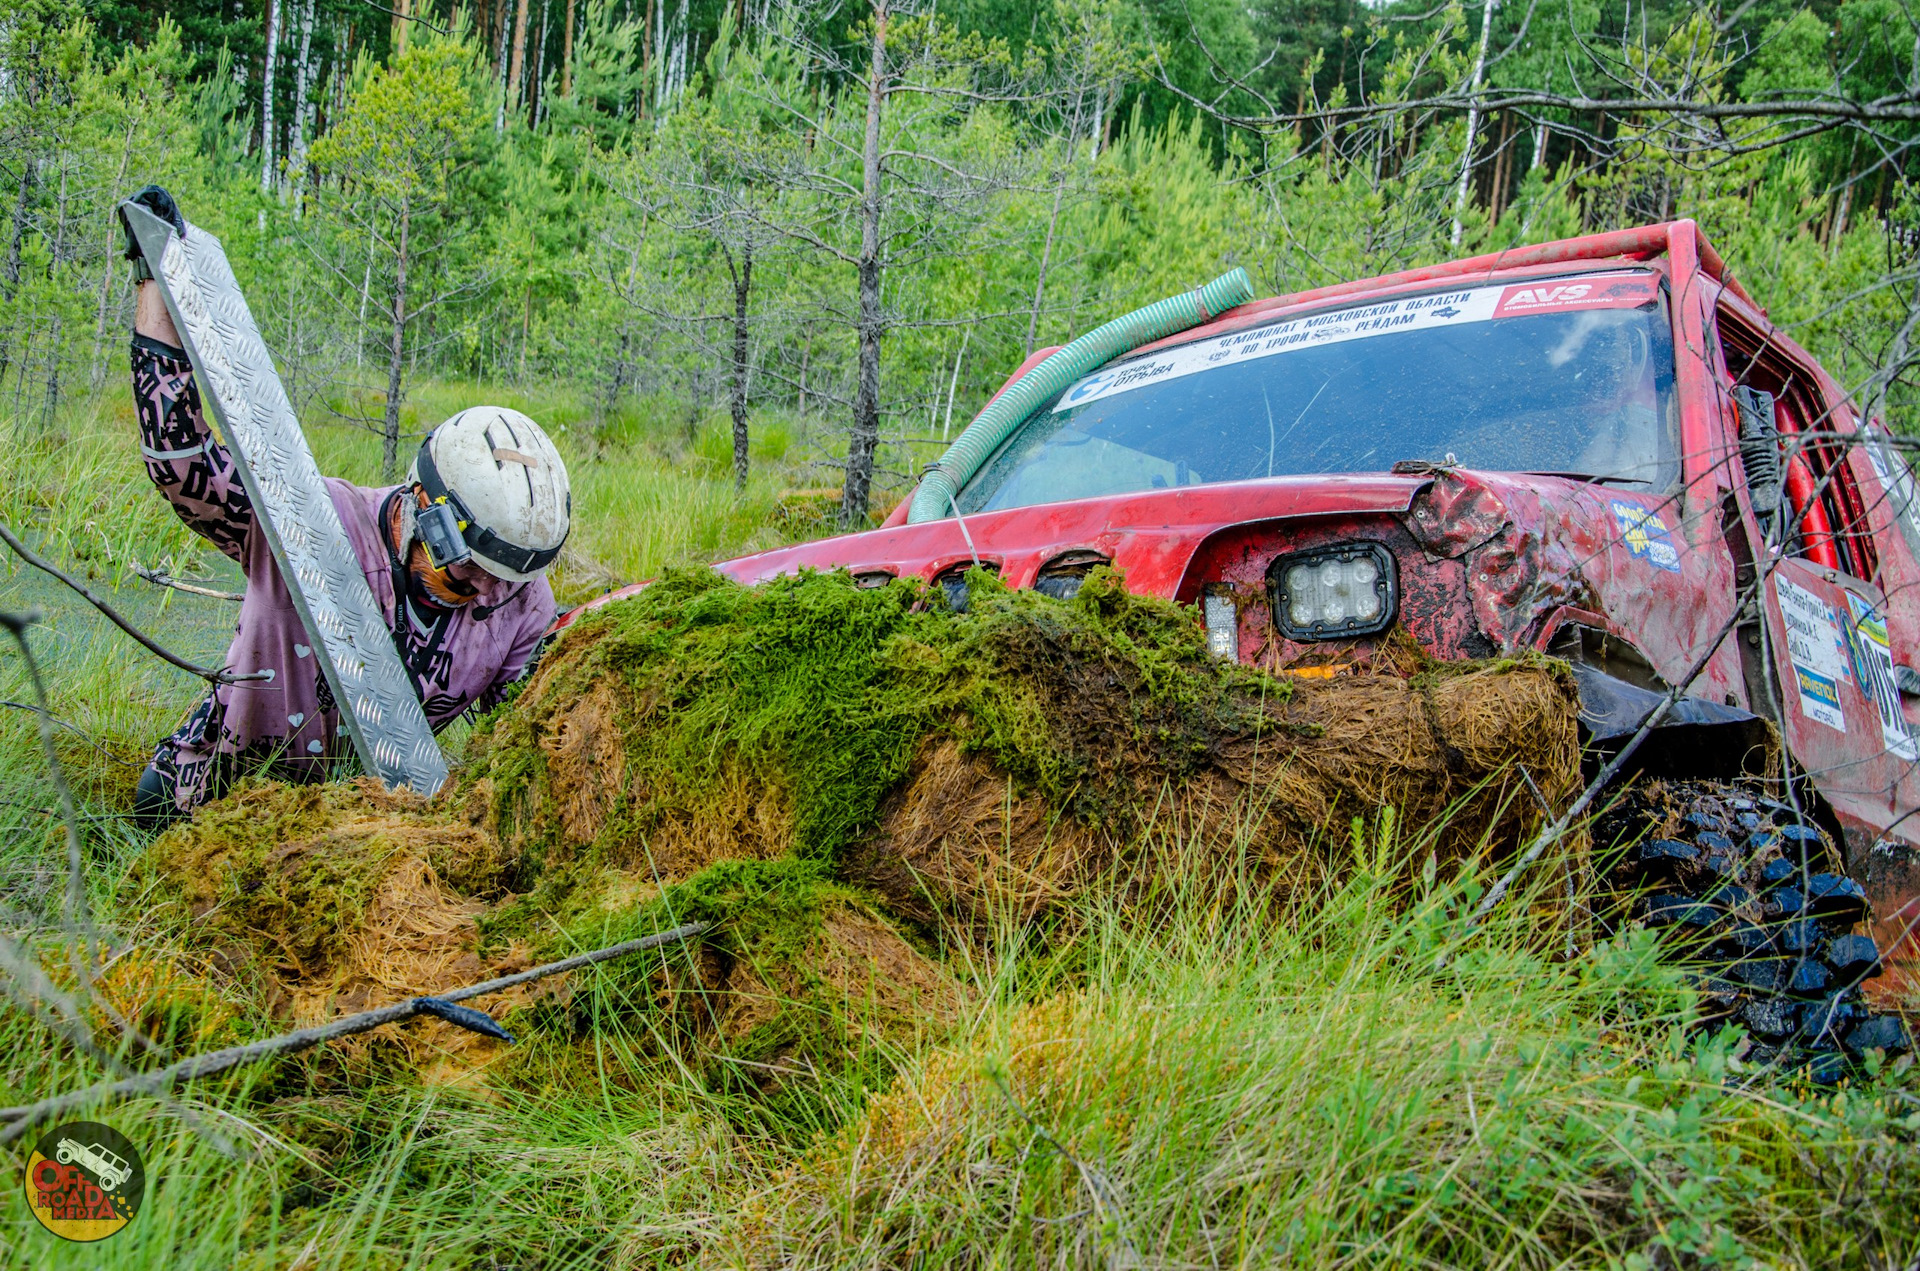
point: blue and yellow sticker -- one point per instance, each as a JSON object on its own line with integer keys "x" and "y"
{"x": 1646, "y": 535}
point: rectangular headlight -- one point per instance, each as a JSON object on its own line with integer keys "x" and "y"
{"x": 1331, "y": 593}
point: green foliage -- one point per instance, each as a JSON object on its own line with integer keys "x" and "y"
{"x": 823, "y": 692}
{"x": 1216, "y": 1088}
{"x": 409, "y": 127}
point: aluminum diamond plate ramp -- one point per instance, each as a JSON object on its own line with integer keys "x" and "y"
{"x": 238, "y": 383}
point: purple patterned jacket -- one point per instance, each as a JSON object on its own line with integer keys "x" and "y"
{"x": 457, "y": 657}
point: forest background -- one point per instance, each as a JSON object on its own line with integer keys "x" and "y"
{"x": 824, "y": 234}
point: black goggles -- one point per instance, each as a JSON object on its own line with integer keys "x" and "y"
{"x": 451, "y": 535}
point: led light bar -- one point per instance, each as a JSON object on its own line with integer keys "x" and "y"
{"x": 1334, "y": 593}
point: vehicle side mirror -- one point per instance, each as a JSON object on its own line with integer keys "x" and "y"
{"x": 1759, "y": 449}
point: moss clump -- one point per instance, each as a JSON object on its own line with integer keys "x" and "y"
{"x": 799, "y": 979}
{"x": 329, "y": 899}
{"x": 789, "y": 711}
{"x": 263, "y": 860}
{"x": 945, "y": 759}
{"x": 809, "y": 765}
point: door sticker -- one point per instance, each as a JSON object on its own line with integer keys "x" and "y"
{"x": 1646, "y": 535}
{"x": 1563, "y": 295}
{"x": 1873, "y": 663}
{"x": 1814, "y": 648}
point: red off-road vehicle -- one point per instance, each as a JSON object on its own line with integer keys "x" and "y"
{"x": 1600, "y": 448}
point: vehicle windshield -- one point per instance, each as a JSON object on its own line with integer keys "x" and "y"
{"x": 1567, "y": 375}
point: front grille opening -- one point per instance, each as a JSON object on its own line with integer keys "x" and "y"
{"x": 1061, "y": 577}
{"x": 952, "y": 581}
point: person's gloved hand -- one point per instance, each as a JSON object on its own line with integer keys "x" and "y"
{"x": 161, "y": 204}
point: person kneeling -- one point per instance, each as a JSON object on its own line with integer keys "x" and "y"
{"x": 456, "y": 556}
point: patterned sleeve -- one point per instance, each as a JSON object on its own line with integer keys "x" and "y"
{"x": 184, "y": 460}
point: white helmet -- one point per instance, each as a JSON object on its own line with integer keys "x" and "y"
{"x": 506, "y": 486}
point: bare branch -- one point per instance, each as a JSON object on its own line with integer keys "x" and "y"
{"x": 22, "y": 1118}
{"x": 113, "y": 615}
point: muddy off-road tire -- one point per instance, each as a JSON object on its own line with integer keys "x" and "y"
{"x": 1750, "y": 892}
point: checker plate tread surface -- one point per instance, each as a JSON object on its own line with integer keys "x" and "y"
{"x": 239, "y": 384}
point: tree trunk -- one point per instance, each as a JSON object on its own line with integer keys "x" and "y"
{"x": 953, "y": 385}
{"x": 266, "y": 98}
{"x": 390, "y": 439}
{"x": 52, "y": 389}
{"x": 16, "y": 244}
{"x": 96, "y": 369}
{"x": 1046, "y": 254}
{"x": 1473, "y": 120}
{"x": 537, "y": 79}
{"x": 566, "y": 55}
{"x": 18, "y": 239}
{"x": 866, "y": 399}
{"x": 742, "y": 288}
{"x": 1497, "y": 200}
{"x": 302, "y": 86}
{"x": 366, "y": 289}
{"x": 526, "y": 306}
{"x": 806, "y": 357}
{"x": 500, "y": 68}
{"x": 514, "y": 86}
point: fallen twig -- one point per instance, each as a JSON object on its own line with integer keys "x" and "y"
{"x": 161, "y": 579}
{"x": 26, "y": 554}
{"x": 20, "y": 1119}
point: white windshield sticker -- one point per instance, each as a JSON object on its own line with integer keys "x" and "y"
{"x": 1411, "y": 313}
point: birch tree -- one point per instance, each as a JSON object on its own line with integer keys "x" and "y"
{"x": 266, "y": 97}
{"x": 395, "y": 155}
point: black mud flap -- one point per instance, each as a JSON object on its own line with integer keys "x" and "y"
{"x": 1695, "y": 738}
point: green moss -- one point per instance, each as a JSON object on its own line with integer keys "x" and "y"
{"x": 261, "y": 862}
{"x": 823, "y": 692}
{"x": 763, "y": 996}
{"x": 768, "y": 912}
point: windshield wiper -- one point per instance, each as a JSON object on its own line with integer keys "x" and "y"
{"x": 1591, "y": 478}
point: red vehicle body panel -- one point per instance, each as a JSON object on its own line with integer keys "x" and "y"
{"x": 1501, "y": 562}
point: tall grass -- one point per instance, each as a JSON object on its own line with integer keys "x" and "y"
{"x": 1215, "y": 1088}
{"x": 1186, "y": 1080}
{"x": 649, "y": 489}
{"x": 1202, "y": 1084}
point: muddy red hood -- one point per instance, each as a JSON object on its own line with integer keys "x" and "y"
{"x": 1150, "y": 536}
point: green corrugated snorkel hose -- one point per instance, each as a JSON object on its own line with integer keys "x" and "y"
{"x": 935, "y": 495}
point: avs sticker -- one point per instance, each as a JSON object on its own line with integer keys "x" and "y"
{"x": 84, "y": 1181}
{"x": 1873, "y": 664}
{"x": 1816, "y": 651}
{"x": 1611, "y": 291}
{"x": 1407, "y": 313}
{"x": 1646, "y": 535}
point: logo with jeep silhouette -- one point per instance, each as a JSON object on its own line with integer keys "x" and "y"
{"x": 84, "y": 1181}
